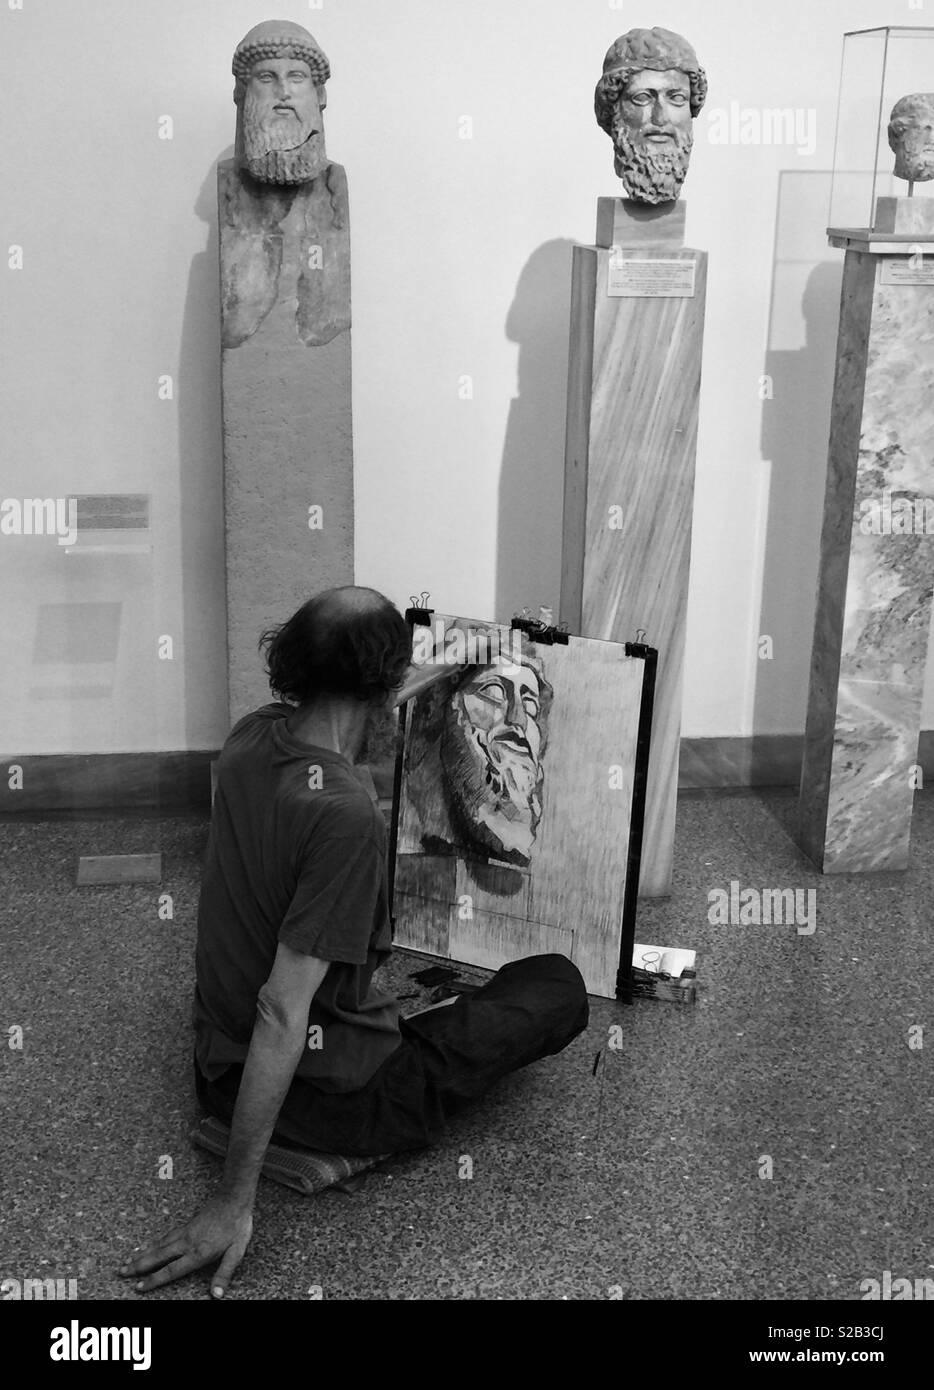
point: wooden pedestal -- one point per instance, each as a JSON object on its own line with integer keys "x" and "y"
{"x": 633, "y": 386}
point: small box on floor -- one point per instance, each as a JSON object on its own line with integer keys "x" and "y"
{"x": 662, "y": 972}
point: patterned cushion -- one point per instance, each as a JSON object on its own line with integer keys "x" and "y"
{"x": 304, "y": 1170}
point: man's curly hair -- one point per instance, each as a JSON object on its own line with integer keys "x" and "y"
{"x": 345, "y": 641}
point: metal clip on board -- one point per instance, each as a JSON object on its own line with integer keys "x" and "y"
{"x": 639, "y": 647}
{"x": 419, "y": 614}
{"x": 538, "y": 631}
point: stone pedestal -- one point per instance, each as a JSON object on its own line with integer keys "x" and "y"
{"x": 905, "y": 216}
{"x": 877, "y": 562}
{"x": 633, "y": 386}
{"x": 288, "y": 443}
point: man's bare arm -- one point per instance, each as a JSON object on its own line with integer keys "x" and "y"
{"x": 279, "y": 1038}
{"x": 223, "y": 1226}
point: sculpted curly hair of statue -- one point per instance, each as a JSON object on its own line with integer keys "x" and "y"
{"x": 278, "y": 39}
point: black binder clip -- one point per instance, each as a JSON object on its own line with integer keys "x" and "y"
{"x": 547, "y": 634}
{"x": 419, "y": 615}
{"x": 639, "y": 647}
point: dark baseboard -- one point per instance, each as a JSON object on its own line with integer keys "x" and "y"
{"x": 772, "y": 760}
{"x": 764, "y": 760}
{"x": 105, "y": 784}
{"x": 91, "y": 784}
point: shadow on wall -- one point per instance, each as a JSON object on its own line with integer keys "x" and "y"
{"x": 531, "y": 489}
{"x": 807, "y": 278}
{"x": 201, "y": 485}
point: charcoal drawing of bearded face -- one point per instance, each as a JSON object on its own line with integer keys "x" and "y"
{"x": 495, "y": 728}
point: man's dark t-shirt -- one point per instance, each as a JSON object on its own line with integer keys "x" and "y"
{"x": 296, "y": 853}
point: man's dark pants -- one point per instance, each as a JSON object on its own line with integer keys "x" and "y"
{"x": 448, "y": 1056}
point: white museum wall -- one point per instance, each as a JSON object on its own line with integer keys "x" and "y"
{"x": 461, "y": 268}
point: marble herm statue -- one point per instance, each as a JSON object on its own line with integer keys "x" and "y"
{"x": 651, "y": 91}
{"x": 911, "y": 137}
{"x": 283, "y": 208}
{"x": 286, "y": 362}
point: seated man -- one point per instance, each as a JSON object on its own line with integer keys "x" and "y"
{"x": 292, "y": 1040}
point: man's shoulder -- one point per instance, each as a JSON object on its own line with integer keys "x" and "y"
{"x": 250, "y": 745}
{"x": 320, "y": 788}
{"x": 346, "y": 812}
{"x": 258, "y": 718}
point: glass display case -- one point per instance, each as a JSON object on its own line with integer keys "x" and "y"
{"x": 885, "y": 133}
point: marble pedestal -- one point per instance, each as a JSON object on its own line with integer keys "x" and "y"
{"x": 877, "y": 562}
{"x": 288, "y": 443}
{"x": 633, "y": 386}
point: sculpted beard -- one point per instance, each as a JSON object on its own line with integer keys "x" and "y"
{"x": 280, "y": 146}
{"x": 914, "y": 161}
{"x": 652, "y": 173}
{"x": 496, "y": 802}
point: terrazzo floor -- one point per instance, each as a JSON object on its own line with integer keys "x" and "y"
{"x": 643, "y": 1178}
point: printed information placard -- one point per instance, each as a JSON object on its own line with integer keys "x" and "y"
{"x": 651, "y": 279}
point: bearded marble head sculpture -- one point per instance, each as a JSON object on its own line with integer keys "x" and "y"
{"x": 911, "y": 137}
{"x": 279, "y": 92}
{"x": 651, "y": 91}
{"x": 493, "y": 740}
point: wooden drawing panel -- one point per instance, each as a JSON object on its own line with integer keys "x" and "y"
{"x": 516, "y": 804}
{"x": 490, "y": 940}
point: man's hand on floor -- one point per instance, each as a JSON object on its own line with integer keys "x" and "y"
{"x": 220, "y": 1230}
